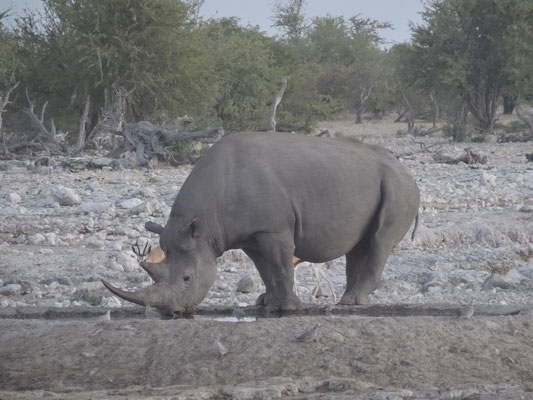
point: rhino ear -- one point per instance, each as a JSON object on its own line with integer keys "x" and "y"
{"x": 193, "y": 228}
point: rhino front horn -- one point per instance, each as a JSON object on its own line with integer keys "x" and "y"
{"x": 157, "y": 295}
{"x": 153, "y": 227}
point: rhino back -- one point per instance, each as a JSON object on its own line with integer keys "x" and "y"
{"x": 326, "y": 191}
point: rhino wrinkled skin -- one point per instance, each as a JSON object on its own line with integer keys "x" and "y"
{"x": 276, "y": 196}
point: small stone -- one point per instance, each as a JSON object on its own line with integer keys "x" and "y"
{"x": 219, "y": 348}
{"x": 93, "y": 241}
{"x": 101, "y": 162}
{"x": 42, "y": 162}
{"x": 51, "y": 238}
{"x": 130, "y": 203}
{"x": 13, "y": 289}
{"x": 19, "y": 239}
{"x": 248, "y": 284}
{"x": 145, "y": 207}
{"x": 115, "y": 245}
{"x": 64, "y": 281}
{"x": 336, "y": 337}
{"x": 126, "y": 231}
{"x": 111, "y": 302}
{"x": 13, "y": 198}
{"x": 89, "y": 292}
{"x": 104, "y": 207}
{"x": 486, "y": 179}
{"x": 101, "y": 235}
{"x": 495, "y": 281}
{"x": 514, "y": 276}
{"x": 36, "y": 239}
{"x": 115, "y": 266}
{"x": 526, "y": 209}
{"x": 128, "y": 261}
{"x": 433, "y": 286}
{"x": 66, "y": 196}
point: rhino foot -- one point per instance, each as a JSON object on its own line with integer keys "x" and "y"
{"x": 349, "y": 300}
{"x": 278, "y": 303}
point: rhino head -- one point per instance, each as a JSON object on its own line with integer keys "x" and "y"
{"x": 182, "y": 275}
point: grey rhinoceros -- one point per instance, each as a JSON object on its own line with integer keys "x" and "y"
{"x": 276, "y": 196}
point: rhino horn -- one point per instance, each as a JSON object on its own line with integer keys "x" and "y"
{"x": 154, "y": 295}
{"x": 153, "y": 227}
{"x": 156, "y": 271}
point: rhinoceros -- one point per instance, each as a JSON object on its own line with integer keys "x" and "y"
{"x": 275, "y": 196}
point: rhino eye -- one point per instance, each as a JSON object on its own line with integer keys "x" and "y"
{"x": 186, "y": 279}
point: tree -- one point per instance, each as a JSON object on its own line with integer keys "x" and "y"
{"x": 470, "y": 47}
{"x": 290, "y": 18}
{"x": 244, "y": 74}
{"x": 81, "y": 48}
{"x": 8, "y": 65}
{"x": 348, "y": 57}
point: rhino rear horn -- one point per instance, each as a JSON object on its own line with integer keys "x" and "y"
{"x": 153, "y": 227}
{"x": 157, "y": 271}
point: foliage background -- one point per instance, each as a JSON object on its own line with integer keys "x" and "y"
{"x": 466, "y": 56}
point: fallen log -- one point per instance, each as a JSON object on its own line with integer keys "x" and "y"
{"x": 470, "y": 157}
{"x": 149, "y": 140}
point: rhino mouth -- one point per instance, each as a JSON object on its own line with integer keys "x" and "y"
{"x": 160, "y": 295}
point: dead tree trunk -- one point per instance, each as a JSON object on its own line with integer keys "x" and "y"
{"x": 460, "y": 114}
{"x": 482, "y": 106}
{"x": 45, "y": 138}
{"x": 111, "y": 120}
{"x": 38, "y": 121}
{"x": 410, "y": 118}
{"x": 363, "y": 97}
{"x": 83, "y": 121}
{"x": 509, "y": 104}
{"x": 434, "y": 107}
{"x": 4, "y": 101}
{"x": 526, "y": 117}
{"x": 271, "y": 122}
{"x": 401, "y": 114}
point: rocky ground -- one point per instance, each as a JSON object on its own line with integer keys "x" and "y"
{"x": 65, "y": 224}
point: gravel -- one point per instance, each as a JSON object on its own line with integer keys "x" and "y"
{"x": 474, "y": 243}
{"x": 65, "y": 224}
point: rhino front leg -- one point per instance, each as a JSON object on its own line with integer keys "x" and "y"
{"x": 273, "y": 258}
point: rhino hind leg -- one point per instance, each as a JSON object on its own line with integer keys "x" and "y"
{"x": 366, "y": 261}
{"x": 272, "y": 257}
{"x": 364, "y": 267}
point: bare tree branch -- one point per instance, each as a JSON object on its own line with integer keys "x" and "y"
{"x": 83, "y": 121}
{"x": 435, "y": 106}
{"x": 271, "y": 123}
{"x": 50, "y": 143}
{"x": 4, "y": 101}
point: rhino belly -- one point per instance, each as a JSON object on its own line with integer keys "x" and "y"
{"x": 326, "y": 233}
